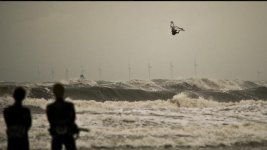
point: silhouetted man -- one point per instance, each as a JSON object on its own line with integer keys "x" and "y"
{"x": 61, "y": 116}
{"x": 18, "y": 121}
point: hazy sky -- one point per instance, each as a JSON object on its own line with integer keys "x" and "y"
{"x": 228, "y": 40}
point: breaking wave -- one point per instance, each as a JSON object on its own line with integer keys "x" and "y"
{"x": 141, "y": 90}
{"x": 194, "y": 114}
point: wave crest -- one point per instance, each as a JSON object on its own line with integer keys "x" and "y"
{"x": 182, "y": 100}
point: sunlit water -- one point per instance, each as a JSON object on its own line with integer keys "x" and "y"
{"x": 178, "y": 123}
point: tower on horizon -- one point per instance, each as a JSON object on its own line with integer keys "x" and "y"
{"x": 195, "y": 67}
{"x": 66, "y": 73}
{"x": 129, "y": 71}
{"x": 38, "y": 74}
{"x": 258, "y": 75}
{"x": 171, "y": 70}
{"x": 149, "y": 70}
{"x": 99, "y": 73}
{"x": 52, "y": 74}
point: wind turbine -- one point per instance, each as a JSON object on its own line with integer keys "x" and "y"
{"x": 171, "y": 69}
{"x": 149, "y": 70}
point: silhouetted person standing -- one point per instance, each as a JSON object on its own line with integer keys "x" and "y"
{"x": 18, "y": 121}
{"x": 61, "y": 116}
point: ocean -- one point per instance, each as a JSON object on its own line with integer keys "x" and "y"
{"x": 160, "y": 114}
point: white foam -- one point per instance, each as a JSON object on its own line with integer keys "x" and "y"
{"x": 182, "y": 100}
{"x": 197, "y": 122}
{"x": 217, "y": 84}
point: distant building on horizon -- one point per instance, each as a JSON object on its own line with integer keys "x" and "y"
{"x": 82, "y": 77}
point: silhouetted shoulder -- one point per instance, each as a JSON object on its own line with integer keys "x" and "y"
{"x": 56, "y": 106}
{"x": 27, "y": 110}
{"x": 70, "y": 104}
{"x": 17, "y": 115}
{"x": 49, "y": 105}
{"x": 12, "y": 109}
{"x": 6, "y": 110}
{"x": 64, "y": 103}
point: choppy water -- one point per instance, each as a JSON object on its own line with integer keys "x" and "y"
{"x": 142, "y": 90}
{"x": 180, "y": 122}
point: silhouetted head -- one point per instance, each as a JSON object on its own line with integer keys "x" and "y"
{"x": 19, "y": 94}
{"x": 58, "y": 90}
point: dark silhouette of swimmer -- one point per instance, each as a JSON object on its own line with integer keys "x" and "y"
{"x": 18, "y": 121}
{"x": 61, "y": 116}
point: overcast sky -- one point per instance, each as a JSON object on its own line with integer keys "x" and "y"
{"x": 228, "y": 40}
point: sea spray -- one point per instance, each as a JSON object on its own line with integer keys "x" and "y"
{"x": 185, "y": 120}
{"x": 182, "y": 100}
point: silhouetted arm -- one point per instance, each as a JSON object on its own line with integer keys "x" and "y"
{"x": 6, "y": 118}
{"x": 76, "y": 129}
{"x": 48, "y": 114}
{"x": 28, "y": 119}
{"x": 72, "y": 114}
